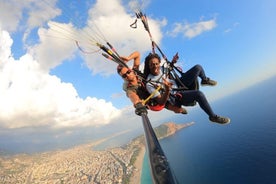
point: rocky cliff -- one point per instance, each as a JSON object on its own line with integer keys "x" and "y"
{"x": 170, "y": 128}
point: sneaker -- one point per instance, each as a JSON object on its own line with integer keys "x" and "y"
{"x": 219, "y": 119}
{"x": 184, "y": 111}
{"x": 208, "y": 82}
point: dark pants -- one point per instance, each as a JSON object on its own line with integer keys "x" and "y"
{"x": 189, "y": 77}
{"x": 190, "y": 96}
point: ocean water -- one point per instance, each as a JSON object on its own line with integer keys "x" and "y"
{"x": 242, "y": 152}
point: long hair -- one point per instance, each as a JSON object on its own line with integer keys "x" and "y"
{"x": 147, "y": 60}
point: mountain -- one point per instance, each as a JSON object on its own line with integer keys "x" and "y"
{"x": 165, "y": 130}
{"x": 170, "y": 128}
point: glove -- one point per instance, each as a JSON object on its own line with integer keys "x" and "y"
{"x": 140, "y": 109}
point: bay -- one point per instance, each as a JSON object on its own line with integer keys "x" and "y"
{"x": 242, "y": 152}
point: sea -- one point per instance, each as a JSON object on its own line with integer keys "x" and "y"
{"x": 242, "y": 152}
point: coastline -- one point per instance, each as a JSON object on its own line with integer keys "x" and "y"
{"x": 80, "y": 164}
{"x": 136, "y": 177}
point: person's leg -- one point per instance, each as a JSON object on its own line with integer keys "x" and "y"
{"x": 195, "y": 95}
{"x": 191, "y": 75}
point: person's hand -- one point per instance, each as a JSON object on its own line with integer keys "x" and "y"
{"x": 167, "y": 84}
{"x": 140, "y": 109}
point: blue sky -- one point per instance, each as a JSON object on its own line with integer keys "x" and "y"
{"x": 46, "y": 81}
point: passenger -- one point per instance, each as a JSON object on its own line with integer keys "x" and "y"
{"x": 183, "y": 96}
{"x": 189, "y": 77}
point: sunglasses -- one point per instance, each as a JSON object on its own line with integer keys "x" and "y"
{"x": 125, "y": 74}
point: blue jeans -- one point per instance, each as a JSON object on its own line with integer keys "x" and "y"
{"x": 189, "y": 96}
{"x": 190, "y": 77}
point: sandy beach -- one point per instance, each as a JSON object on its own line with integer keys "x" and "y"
{"x": 136, "y": 177}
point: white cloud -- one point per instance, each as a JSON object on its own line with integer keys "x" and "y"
{"x": 31, "y": 97}
{"x": 5, "y": 47}
{"x": 56, "y": 45}
{"x": 106, "y": 22}
{"x": 114, "y": 22}
{"x": 194, "y": 29}
{"x": 136, "y": 5}
{"x": 11, "y": 14}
